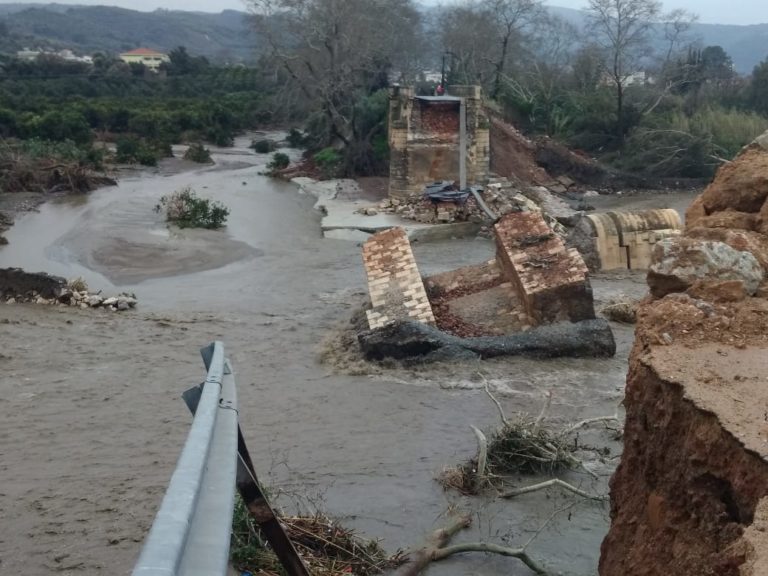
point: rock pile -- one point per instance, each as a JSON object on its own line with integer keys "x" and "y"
{"x": 19, "y": 287}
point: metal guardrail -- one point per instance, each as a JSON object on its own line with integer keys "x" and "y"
{"x": 191, "y": 532}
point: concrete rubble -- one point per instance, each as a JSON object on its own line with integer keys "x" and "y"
{"x": 20, "y": 287}
{"x": 690, "y": 496}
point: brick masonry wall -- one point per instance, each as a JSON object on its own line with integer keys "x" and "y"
{"x": 440, "y": 120}
{"x": 551, "y": 280}
{"x": 394, "y": 283}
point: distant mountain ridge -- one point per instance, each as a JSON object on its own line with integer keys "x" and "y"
{"x": 224, "y": 37}
{"x": 746, "y": 45}
{"x": 227, "y": 37}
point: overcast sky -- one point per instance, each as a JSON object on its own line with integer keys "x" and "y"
{"x": 712, "y": 11}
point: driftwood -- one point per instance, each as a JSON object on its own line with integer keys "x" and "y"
{"x": 436, "y": 548}
{"x": 548, "y": 484}
{"x": 523, "y": 444}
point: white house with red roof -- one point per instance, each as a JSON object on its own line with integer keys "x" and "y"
{"x": 150, "y": 58}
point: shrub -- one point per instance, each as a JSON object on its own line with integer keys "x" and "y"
{"x": 329, "y": 161}
{"x": 263, "y": 146}
{"x": 296, "y": 139}
{"x": 198, "y": 153}
{"x": 185, "y": 209}
{"x": 132, "y": 150}
{"x": 279, "y": 161}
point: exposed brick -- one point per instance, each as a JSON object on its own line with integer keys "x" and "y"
{"x": 424, "y": 141}
{"x": 551, "y": 280}
{"x": 394, "y": 282}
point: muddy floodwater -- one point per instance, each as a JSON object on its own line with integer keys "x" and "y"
{"x": 92, "y": 420}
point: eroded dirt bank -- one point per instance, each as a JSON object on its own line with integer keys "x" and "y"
{"x": 689, "y": 496}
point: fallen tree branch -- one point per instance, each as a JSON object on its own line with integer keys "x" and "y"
{"x": 482, "y": 457}
{"x": 543, "y": 413}
{"x": 417, "y": 560}
{"x": 490, "y": 548}
{"x": 590, "y": 421}
{"x": 436, "y": 548}
{"x": 548, "y": 484}
{"x": 495, "y": 401}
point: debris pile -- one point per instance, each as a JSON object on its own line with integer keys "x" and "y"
{"x": 325, "y": 545}
{"x": 19, "y": 287}
{"x": 501, "y": 195}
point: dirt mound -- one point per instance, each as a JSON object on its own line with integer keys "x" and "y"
{"x": 514, "y": 156}
{"x": 693, "y": 479}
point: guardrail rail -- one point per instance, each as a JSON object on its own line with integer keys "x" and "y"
{"x": 191, "y": 532}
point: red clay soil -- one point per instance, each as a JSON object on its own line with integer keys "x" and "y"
{"x": 686, "y": 488}
{"x": 513, "y": 155}
{"x": 449, "y": 322}
{"x": 690, "y": 496}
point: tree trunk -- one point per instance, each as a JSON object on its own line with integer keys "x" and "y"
{"x": 620, "y": 112}
{"x": 500, "y": 67}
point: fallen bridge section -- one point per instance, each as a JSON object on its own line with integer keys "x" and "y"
{"x": 551, "y": 280}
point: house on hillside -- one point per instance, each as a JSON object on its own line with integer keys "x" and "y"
{"x": 150, "y": 58}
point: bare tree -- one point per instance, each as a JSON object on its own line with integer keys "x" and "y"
{"x": 622, "y": 28}
{"x": 677, "y": 31}
{"x": 482, "y": 36}
{"x": 468, "y": 36}
{"x": 511, "y": 17}
{"x": 336, "y": 51}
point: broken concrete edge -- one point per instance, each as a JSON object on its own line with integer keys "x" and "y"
{"x": 342, "y": 220}
{"x": 414, "y": 341}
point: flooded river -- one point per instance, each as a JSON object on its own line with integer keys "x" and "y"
{"x": 93, "y": 423}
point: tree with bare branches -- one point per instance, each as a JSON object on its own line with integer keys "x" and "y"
{"x": 621, "y": 28}
{"x": 336, "y": 52}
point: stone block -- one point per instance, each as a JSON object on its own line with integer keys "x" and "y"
{"x": 394, "y": 282}
{"x": 551, "y": 280}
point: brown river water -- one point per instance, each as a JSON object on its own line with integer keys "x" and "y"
{"x": 92, "y": 420}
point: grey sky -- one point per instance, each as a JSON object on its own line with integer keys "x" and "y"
{"x": 711, "y": 11}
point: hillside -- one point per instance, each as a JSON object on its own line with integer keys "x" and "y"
{"x": 223, "y": 37}
{"x": 747, "y": 45}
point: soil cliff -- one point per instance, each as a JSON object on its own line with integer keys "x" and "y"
{"x": 689, "y": 496}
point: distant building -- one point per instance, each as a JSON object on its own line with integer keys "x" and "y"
{"x": 639, "y": 78}
{"x": 27, "y": 54}
{"x": 150, "y": 58}
{"x": 67, "y": 55}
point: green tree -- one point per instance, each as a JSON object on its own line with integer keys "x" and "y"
{"x": 758, "y": 89}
